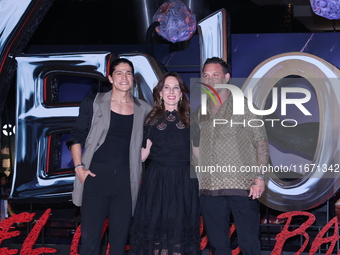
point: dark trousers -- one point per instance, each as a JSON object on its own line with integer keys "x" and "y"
{"x": 106, "y": 198}
{"x": 216, "y": 216}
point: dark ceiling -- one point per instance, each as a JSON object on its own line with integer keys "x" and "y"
{"x": 116, "y": 22}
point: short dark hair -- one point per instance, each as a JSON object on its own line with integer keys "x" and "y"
{"x": 118, "y": 61}
{"x": 216, "y": 60}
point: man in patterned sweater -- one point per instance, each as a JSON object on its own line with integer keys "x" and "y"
{"x": 230, "y": 157}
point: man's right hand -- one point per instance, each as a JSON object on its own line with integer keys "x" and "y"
{"x": 82, "y": 173}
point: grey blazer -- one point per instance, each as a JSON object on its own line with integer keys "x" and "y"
{"x": 96, "y": 137}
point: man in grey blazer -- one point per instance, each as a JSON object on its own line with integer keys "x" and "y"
{"x": 105, "y": 144}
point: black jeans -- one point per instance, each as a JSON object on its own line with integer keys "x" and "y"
{"x": 216, "y": 216}
{"x": 108, "y": 195}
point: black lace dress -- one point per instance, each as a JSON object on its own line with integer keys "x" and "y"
{"x": 166, "y": 220}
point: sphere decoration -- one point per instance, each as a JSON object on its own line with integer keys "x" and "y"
{"x": 329, "y": 9}
{"x": 177, "y": 22}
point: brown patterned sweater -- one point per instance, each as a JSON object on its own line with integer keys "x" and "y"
{"x": 228, "y": 152}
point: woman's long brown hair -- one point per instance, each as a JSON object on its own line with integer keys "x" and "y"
{"x": 158, "y": 110}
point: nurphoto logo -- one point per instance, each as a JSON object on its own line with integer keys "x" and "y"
{"x": 238, "y": 104}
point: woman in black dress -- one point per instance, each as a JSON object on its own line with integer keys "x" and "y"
{"x": 166, "y": 218}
